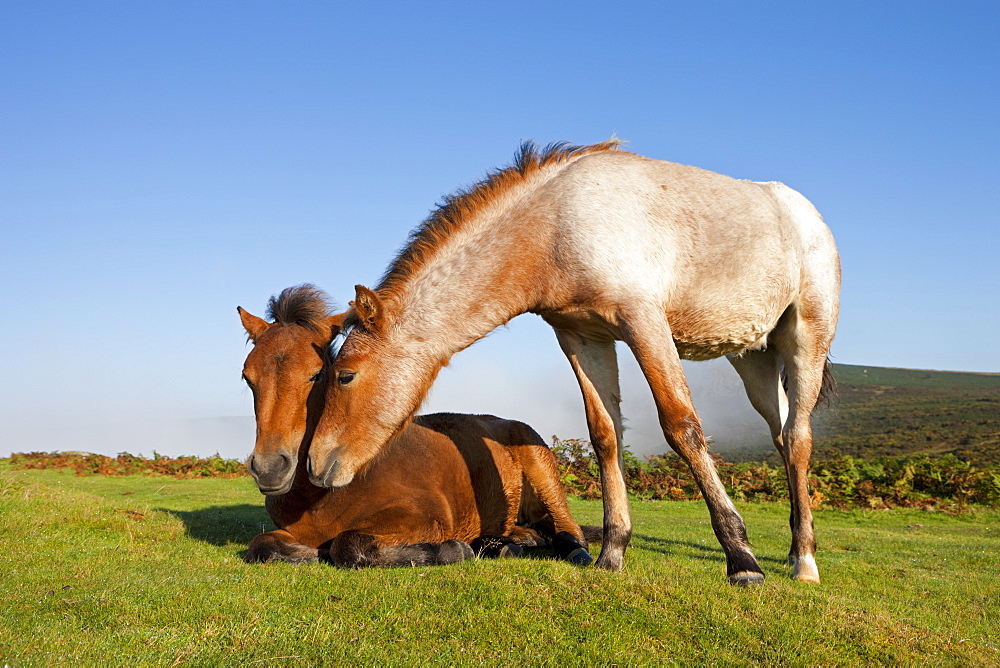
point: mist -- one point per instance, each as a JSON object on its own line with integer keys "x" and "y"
{"x": 518, "y": 372}
{"x": 229, "y": 437}
{"x": 550, "y": 401}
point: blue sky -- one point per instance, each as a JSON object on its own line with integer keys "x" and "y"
{"x": 161, "y": 163}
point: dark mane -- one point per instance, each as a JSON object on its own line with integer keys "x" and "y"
{"x": 303, "y": 305}
{"x": 465, "y": 203}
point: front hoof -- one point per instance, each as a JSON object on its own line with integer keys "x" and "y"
{"x": 609, "y": 563}
{"x": 580, "y": 557}
{"x": 746, "y": 578}
{"x": 454, "y": 551}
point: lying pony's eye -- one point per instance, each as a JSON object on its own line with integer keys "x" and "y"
{"x": 318, "y": 377}
{"x": 345, "y": 377}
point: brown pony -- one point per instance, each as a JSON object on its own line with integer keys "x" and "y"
{"x": 607, "y": 246}
{"x": 445, "y": 481}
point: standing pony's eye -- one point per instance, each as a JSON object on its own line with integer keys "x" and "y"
{"x": 345, "y": 377}
{"x": 318, "y": 377}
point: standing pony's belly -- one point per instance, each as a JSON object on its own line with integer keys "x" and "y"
{"x": 704, "y": 334}
{"x": 696, "y": 335}
{"x": 699, "y": 350}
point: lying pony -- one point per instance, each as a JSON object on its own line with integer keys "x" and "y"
{"x": 446, "y": 487}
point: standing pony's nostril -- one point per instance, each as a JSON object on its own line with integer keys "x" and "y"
{"x": 319, "y": 476}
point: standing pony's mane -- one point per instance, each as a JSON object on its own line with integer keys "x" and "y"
{"x": 464, "y": 204}
{"x": 304, "y": 305}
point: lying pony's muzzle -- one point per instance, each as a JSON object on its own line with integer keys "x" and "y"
{"x": 273, "y": 473}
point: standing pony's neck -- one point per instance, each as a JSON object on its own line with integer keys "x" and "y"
{"x": 466, "y": 268}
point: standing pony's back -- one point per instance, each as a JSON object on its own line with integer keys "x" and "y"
{"x": 605, "y": 245}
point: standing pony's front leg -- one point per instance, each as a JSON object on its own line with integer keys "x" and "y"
{"x": 596, "y": 367}
{"x": 648, "y": 335}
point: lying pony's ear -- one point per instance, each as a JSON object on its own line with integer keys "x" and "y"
{"x": 333, "y": 324}
{"x": 255, "y": 326}
{"x": 370, "y": 310}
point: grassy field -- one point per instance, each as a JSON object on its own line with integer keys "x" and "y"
{"x": 147, "y": 570}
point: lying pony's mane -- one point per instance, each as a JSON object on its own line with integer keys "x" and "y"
{"x": 304, "y": 305}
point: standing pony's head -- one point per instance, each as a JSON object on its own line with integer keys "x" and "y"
{"x": 285, "y": 371}
{"x": 374, "y": 387}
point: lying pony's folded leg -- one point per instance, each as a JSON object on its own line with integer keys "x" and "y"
{"x": 279, "y": 546}
{"x": 353, "y": 549}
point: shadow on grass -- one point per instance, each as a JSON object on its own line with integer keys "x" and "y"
{"x": 224, "y": 525}
{"x": 668, "y": 547}
{"x": 237, "y": 525}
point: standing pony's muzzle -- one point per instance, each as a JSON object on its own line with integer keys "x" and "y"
{"x": 329, "y": 471}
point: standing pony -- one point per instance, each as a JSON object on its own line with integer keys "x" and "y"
{"x": 445, "y": 481}
{"x": 605, "y": 245}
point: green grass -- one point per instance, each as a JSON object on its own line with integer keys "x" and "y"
{"x": 147, "y": 570}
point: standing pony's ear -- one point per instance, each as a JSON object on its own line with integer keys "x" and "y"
{"x": 369, "y": 309}
{"x": 255, "y": 326}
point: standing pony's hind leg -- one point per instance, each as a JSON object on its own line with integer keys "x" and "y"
{"x": 803, "y": 341}
{"x": 648, "y": 335}
{"x": 760, "y": 372}
{"x": 279, "y": 546}
{"x": 596, "y": 367}
{"x": 353, "y": 549}
{"x": 805, "y": 379}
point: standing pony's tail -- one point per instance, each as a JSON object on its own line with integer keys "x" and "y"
{"x": 827, "y": 388}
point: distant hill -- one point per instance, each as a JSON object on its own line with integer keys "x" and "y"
{"x": 897, "y": 412}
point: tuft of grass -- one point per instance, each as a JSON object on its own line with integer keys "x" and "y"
{"x": 136, "y": 569}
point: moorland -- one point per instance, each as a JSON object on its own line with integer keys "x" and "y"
{"x": 118, "y": 561}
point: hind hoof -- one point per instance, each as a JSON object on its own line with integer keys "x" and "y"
{"x": 805, "y": 569}
{"x": 579, "y": 557}
{"x": 490, "y": 547}
{"x": 746, "y": 578}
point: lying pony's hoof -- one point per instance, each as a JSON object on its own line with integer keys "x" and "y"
{"x": 511, "y": 551}
{"x": 491, "y": 547}
{"x": 454, "y": 551}
{"x": 568, "y": 547}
